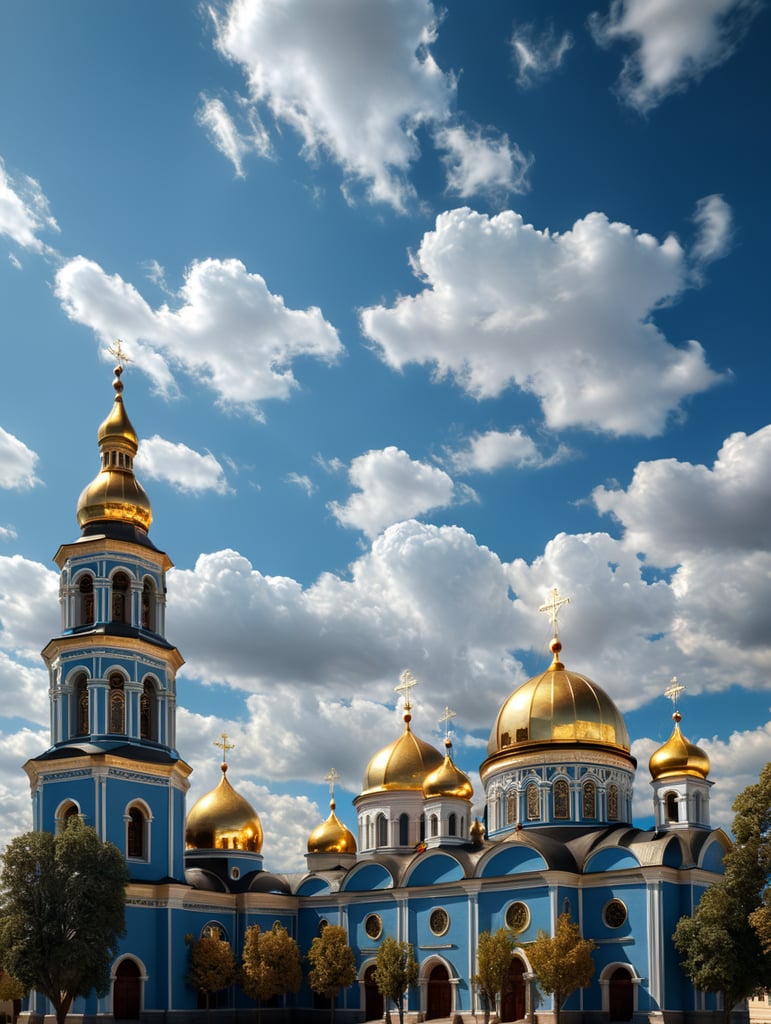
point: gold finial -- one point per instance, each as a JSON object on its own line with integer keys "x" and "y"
{"x": 224, "y": 747}
{"x": 331, "y": 777}
{"x": 406, "y": 681}
{"x": 447, "y": 716}
{"x": 673, "y": 691}
{"x": 552, "y": 607}
{"x": 120, "y": 353}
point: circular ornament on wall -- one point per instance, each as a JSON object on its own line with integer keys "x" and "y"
{"x": 439, "y": 921}
{"x": 517, "y": 916}
{"x": 614, "y": 914}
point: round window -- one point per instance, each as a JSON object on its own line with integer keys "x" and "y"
{"x": 439, "y": 921}
{"x": 235, "y": 874}
{"x": 615, "y": 914}
{"x": 323, "y": 923}
{"x": 517, "y": 916}
{"x": 373, "y": 926}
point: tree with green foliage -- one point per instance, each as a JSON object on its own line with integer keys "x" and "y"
{"x": 62, "y": 912}
{"x": 212, "y": 966}
{"x": 724, "y": 944}
{"x": 270, "y": 964}
{"x": 11, "y": 991}
{"x": 395, "y": 970}
{"x": 494, "y": 952}
{"x": 562, "y": 962}
{"x": 333, "y": 964}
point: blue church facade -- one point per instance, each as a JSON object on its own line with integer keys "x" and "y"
{"x": 557, "y": 834}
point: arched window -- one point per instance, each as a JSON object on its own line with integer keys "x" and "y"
{"x": 82, "y": 725}
{"x": 148, "y": 605}
{"x": 117, "y": 704}
{"x": 66, "y": 814}
{"x": 671, "y": 807}
{"x": 533, "y": 808}
{"x": 452, "y": 825}
{"x": 120, "y": 598}
{"x": 381, "y": 826}
{"x": 86, "y": 610}
{"x": 433, "y": 823}
{"x": 422, "y": 827}
{"x": 561, "y": 794}
{"x": 404, "y": 824}
{"x": 136, "y": 834}
{"x": 511, "y": 808}
{"x": 148, "y": 729}
{"x": 589, "y": 799}
{"x": 613, "y": 803}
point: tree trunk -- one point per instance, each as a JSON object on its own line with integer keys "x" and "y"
{"x": 62, "y": 1007}
{"x": 332, "y": 1009}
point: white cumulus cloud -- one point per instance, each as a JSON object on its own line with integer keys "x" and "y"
{"x": 185, "y": 469}
{"x": 477, "y": 163}
{"x": 392, "y": 487}
{"x": 566, "y": 316}
{"x": 537, "y": 54}
{"x": 24, "y": 211}
{"x": 355, "y": 80}
{"x": 227, "y": 330}
{"x": 17, "y": 463}
{"x": 675, "y": 42}
{"x": 496, "y": 449}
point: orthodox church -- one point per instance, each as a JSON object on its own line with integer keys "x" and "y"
{"x": 556, "y": 834}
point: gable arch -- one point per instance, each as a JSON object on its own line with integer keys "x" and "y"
{"x": 432, "y": 868}
{"x": 368, "y": 876}
{"x": 610, "y": 859}
{"x": 512, "y": 860}
{"x": 712, "y": 854}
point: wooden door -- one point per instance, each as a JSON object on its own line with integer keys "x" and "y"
{"x": 373, "y": 998}
{"x": 513, "y": 999}
{"x": 439, "y": 1001}
{"x": 620, "y": 995}
{"x": 126, "y": 991}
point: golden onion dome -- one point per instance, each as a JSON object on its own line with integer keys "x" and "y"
{"x": 331, "y": 836}
{"x": 678, "y": 756}
{"x": 223, "y": 820}
{"x": 558, "y": 707}
{"x": 476, "y": 832}
{"x": 115, "y": 494}
{"x": 403, "y": 764}
{"x": 448, "y": 779}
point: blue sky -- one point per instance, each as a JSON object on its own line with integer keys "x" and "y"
{"x": 429, "y": 309}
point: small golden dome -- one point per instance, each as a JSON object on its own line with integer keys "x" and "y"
{"x": 115, "y": 494}
{"x": 678, "y": 756}
{"x": 558, "y": 706}
{"x": 476, "y": 832}
{"x": 331, "y": 836}
{"x": 223, "y": 820}
{"x": 403, "y": 764}
{"x": 448, "y": 779}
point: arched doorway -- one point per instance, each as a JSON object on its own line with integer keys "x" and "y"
{"x": 620, "y": 995}
{"x": 373, "y": 998}
{"x": 126, "y": 991}
{"x": 439, "y": 997}
{"x": 513, "y": 999}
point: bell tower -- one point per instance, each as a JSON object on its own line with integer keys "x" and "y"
{"x": 112, "y": 758}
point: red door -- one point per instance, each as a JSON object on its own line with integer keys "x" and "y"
{"x": 125, "y": 993}
{"x": 620, "y": 995}
{"x": 513, "y": 999}
{"x": 439, "y": 1001}
{"x": 373, "y": 998}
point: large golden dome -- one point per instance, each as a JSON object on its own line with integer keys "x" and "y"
{"x": 403, "y": 764}
{"x": 223, "y": 820}
{"x": 448, "y": 779}
{"x": 558, "y": 707}
{"x": 116, "y": 494}
{"x": 331, "y": 836}
{"x": 678, "y": 756}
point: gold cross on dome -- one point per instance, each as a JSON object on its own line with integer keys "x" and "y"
{"x": 552, "y": 607}
{"x": 119, "y": 352}
{"x": 224, "y": 747}
{"x": 406, "y": 681}
{"x": 447, "y": 716}
{"x": 331, "y": 777}
{"x": 674, "y": 690}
